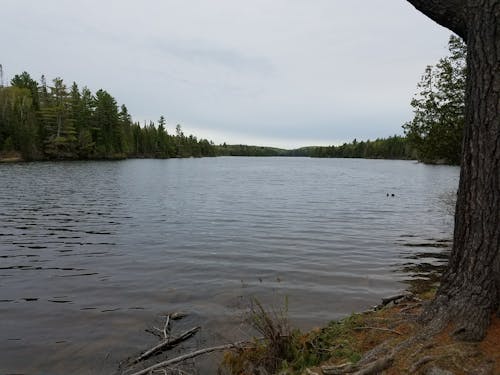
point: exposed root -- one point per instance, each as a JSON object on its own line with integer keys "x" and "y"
{"x": 470, "y": 319}
{"x": 377, "y": 367}
{"x": 421, "y": 362}
{"x": 422, "y": 348}
{"x": 472, "y": 325}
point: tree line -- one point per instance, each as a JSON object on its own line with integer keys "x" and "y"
{"x": 42, "y": 121}
{"x": 395, "y": 147}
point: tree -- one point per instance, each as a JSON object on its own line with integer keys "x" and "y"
{"x": 108, "y": 133}
{"x": 85, "y": 124}
{"x": 25, "y": 81}
{"x": 470, "y": 288}
{"x": 437, "y": 127}
{"x": 17, "y": 121}
{"x": 163, "y": 138}
{"x": 58, "y": 123}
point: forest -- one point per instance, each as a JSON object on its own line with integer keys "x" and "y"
{"x": 39, "y": 121}
{"x": 395, "y": 147}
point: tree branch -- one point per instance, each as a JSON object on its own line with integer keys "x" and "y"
{"x": 188, "y": 356}
{"x": 448, "y": 13}
{"x": 167, "y": 343}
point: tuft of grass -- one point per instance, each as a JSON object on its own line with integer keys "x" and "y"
{"x": 266, "y": 355}
{"x": 285, "y": 351}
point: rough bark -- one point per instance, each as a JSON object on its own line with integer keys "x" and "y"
{"x": 470, "y": 288}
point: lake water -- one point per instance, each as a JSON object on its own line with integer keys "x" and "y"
{"x": 92, "y": 252}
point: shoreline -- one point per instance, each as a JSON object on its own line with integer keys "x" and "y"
{"x": 388, "y": 339}
{"x": 13, "y": 157}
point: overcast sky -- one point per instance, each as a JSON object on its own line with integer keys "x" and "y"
{"x": 282, "y": 73}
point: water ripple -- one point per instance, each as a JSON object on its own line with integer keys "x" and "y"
{"x": 90, "y": 251}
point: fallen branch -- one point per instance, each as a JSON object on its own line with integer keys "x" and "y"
{"x": 164, "y": 333}
{"x": 188, "y": 356}
{"x": 379, "y": 329}
{"x": 166, "y": 328}
{"x": 167, "y": 344}
{"x": 170, "y": 370}
{"x": 155, "y": 331}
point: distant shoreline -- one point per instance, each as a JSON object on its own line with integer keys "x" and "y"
{"x": 17, "y": 158}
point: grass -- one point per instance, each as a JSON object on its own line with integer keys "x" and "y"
{"x": 285, "y": 351}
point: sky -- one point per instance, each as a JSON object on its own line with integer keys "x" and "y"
{"x": 283, "y": 73}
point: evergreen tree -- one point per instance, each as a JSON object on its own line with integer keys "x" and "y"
{"x": 60, "y": 139}
{"x": 25, "y": 81}
{"x": 439, "y": 108}
{"x": 52, "y": 122}
{"x": 108, "y": 135}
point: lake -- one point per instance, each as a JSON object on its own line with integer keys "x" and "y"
{"x": 92, "y": 252}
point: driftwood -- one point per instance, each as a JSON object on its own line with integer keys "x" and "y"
{"x": 164, "y": 333}
{"x": 167, "y": 343}
{"x": 184, "y": 357}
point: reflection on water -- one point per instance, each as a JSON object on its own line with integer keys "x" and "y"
{"x": 91, "y": 252}
{"x": 448, "y": 200}
{"x": 423, "y": 269}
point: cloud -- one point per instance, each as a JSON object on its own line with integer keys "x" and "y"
{"x": 282, "y": 69}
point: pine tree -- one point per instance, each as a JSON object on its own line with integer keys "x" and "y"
{"x": 108, "y": 135}
{"x": 439, "y": 108}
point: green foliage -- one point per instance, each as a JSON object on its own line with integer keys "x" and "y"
{"x": 17, "y": 121}
{"x": 437, "y": 127}
{"x": 395, "y": 147}
{"x": 43, "y": 121}
{"x": 24, "y": 81}
{"x": 245, "y": 150}
{"x": 287, "y": 351}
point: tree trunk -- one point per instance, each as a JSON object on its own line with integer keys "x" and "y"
{"x": 470, "y": 289}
